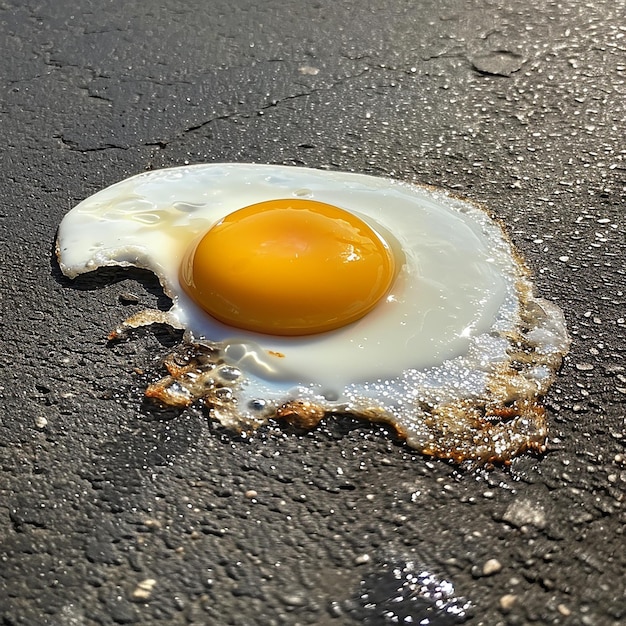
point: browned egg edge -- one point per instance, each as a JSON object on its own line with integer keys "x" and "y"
{"x": 507, "y": 420}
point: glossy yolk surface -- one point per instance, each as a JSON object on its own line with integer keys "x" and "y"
{"x": 289, "y": 267}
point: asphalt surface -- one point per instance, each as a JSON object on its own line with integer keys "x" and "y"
{"x": 114, "y": 513}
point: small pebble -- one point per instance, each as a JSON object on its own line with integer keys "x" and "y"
{"x": 41, "y": 421}
{"x": 127, "y": 297}
{"x": 143, "y": 590}
{"x": 507, "y": 601}
{"x": 308, "y": 69}
{"x": 362, "y": 559}
{"x": 152, "y": 523}
{"x": 335, "y": 609}
{"x": 525, "y": 513}
{"x": 563, "y": 610}
{"x": 294, "y": 600}
{"x": 584, "y": 367}
{"x": 492, "y": 566}
{"x": 251, "y": 494}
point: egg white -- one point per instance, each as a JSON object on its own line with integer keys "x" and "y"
{"x": 457, "y": 281}
{"x": 444, "y": 330}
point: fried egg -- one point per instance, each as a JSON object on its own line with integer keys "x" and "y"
{"x": 307, "y": 292}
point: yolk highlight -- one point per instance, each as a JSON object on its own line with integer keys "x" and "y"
{"x": 289, "y": 267}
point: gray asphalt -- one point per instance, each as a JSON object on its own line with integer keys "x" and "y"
{"x": 112, "y": 512}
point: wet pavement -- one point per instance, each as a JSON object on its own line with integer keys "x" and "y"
{"x": 113, "y": 512}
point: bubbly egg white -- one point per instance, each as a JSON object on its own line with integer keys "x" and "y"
{"x": 457, "y": 282}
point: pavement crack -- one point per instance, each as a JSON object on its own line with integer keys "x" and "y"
{"x": 272, "y": 104}
{"x": 74, "y": 146}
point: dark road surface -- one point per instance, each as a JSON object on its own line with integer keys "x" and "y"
{"x": 112, "y": 512}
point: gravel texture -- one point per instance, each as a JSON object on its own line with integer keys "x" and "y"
{"x": 112, "y": 512}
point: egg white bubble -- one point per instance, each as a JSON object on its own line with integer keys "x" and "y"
{"x": 439, "y": 336}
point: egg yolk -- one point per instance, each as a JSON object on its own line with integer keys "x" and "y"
{"x": 289, "y": 267}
